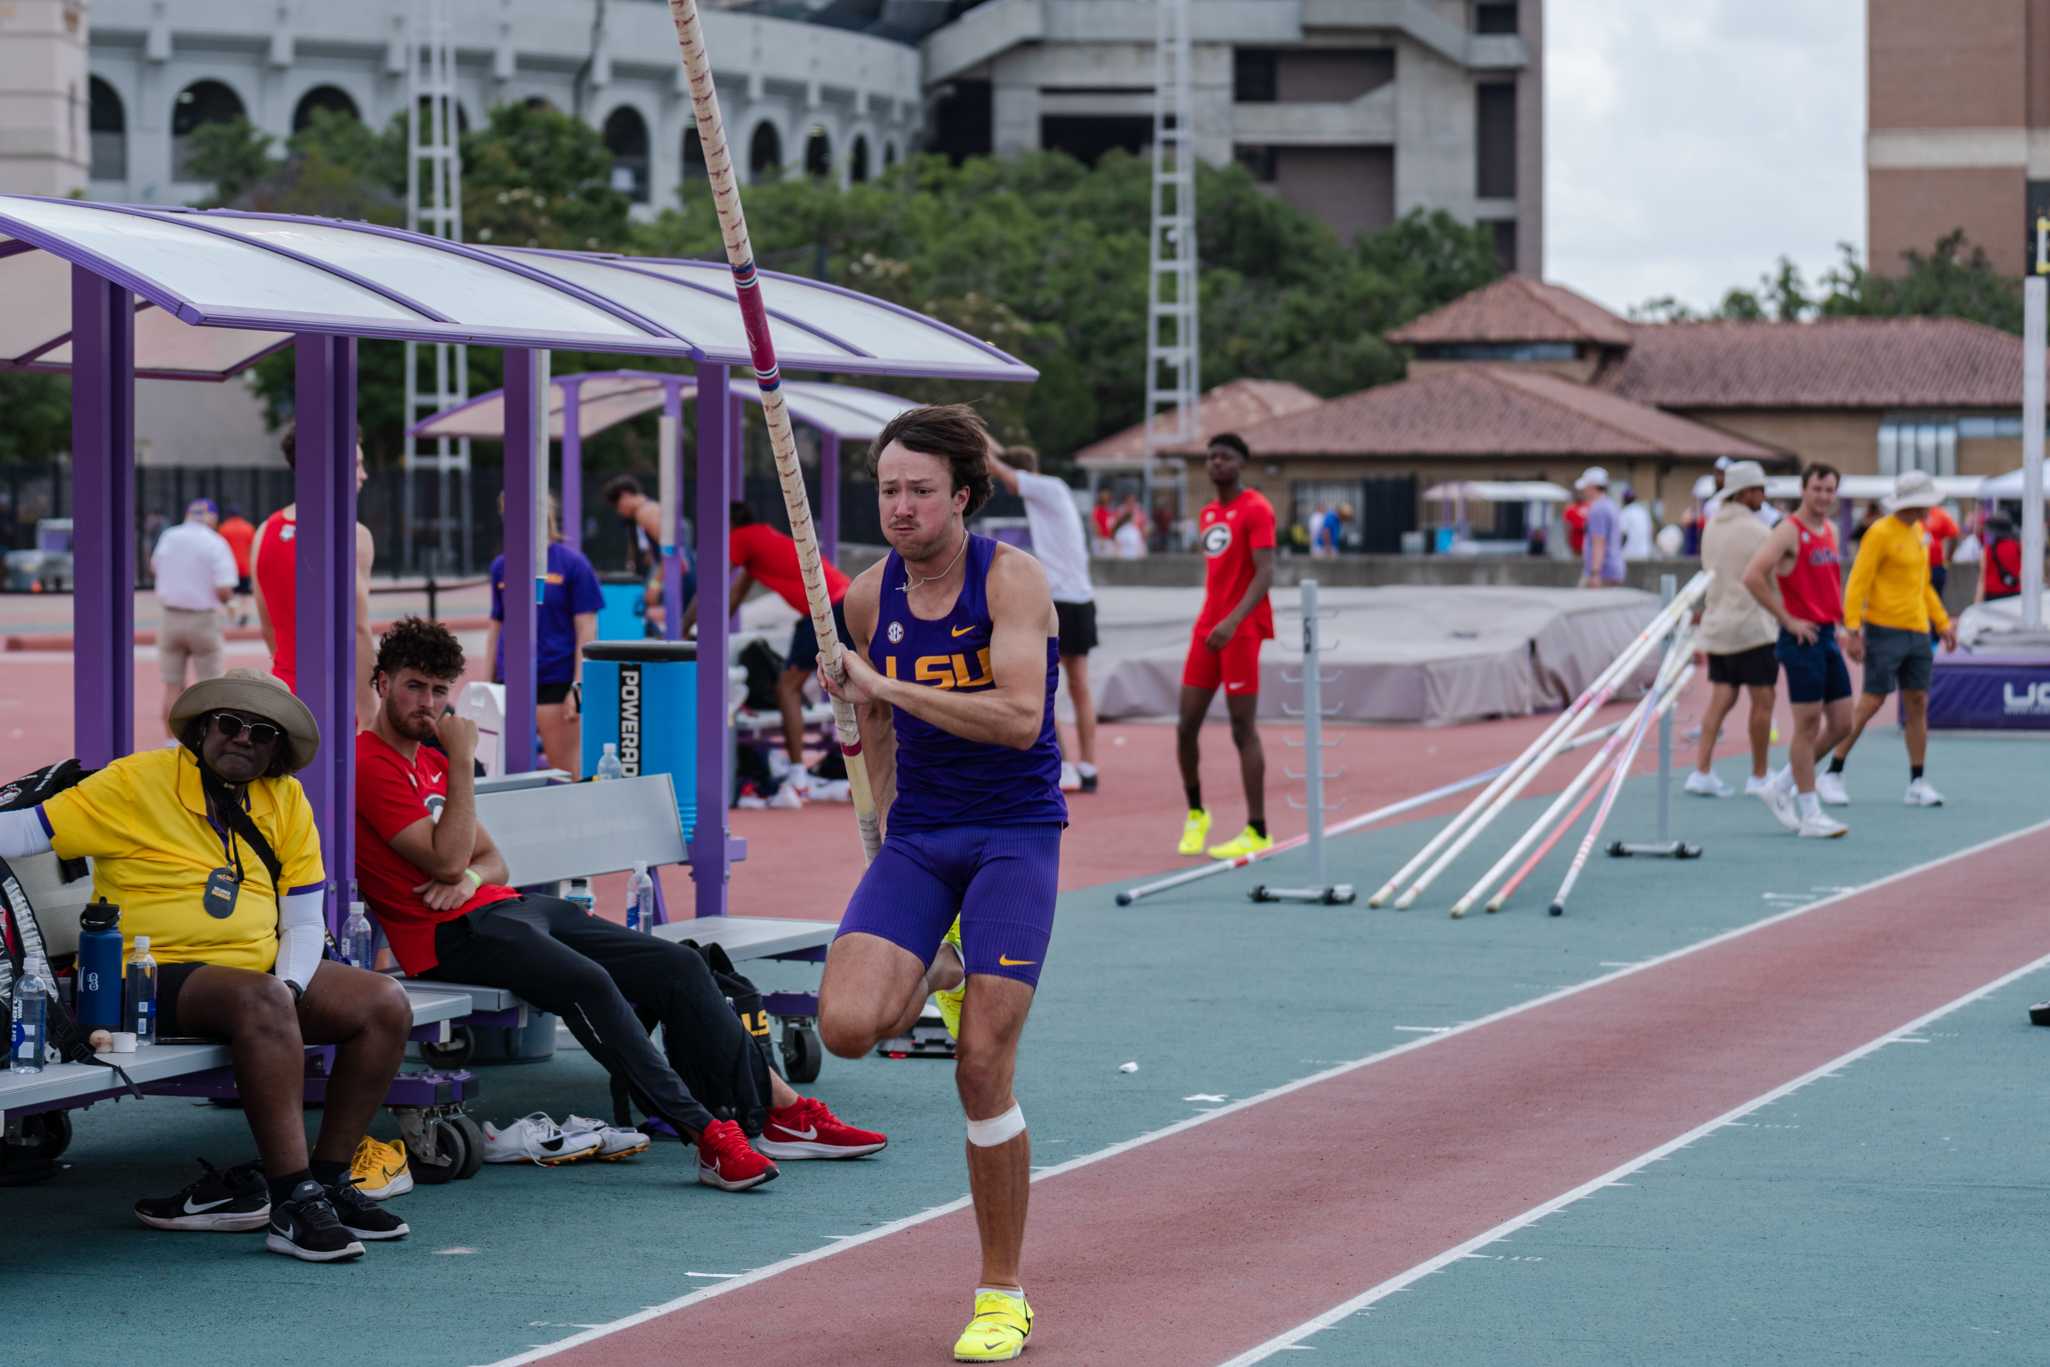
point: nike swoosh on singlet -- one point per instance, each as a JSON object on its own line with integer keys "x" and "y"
{"x": 962, "y": 631}
{"x": 1008, "y": 962}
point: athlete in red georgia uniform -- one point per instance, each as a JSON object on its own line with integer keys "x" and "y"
{"x": 1236, "y": 531}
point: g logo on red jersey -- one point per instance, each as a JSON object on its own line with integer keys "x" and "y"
{"x": 1216, "y": 539}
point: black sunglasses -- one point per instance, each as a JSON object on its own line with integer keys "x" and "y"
{"x": 231, "y": 726}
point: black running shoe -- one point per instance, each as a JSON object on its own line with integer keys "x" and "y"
{"x": 305, "y": 1226}
{"x": 1088, "y": 782}
{"x": 362, "y": 1216}
{"x": 236, "y": 1200}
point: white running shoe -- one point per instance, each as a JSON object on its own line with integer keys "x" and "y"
{"x": 1071, "y": 778}
{"x": 832, "y": 790}
{"x": 1778, "y": 797}
{"x": 786, "y": 799}
{"x": 1920, "y": 794}
{"x": 536, "y": 1139}
{"x": 613, "y": 1142}
{"x": 1830, "y": 788}
{"x": 796, "y": 777}
{"x": 1703, "y": 784}
{"x": 1754, "y": 786}
{"x": 1821, "y": 827}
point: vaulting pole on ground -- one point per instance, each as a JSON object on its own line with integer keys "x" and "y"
{"x": 2034, "y": 291}
{"x": 704, "y": 98}
{"x": 1601, "y": 816}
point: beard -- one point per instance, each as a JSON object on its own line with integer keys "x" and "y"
{"x": 413, "y": 726}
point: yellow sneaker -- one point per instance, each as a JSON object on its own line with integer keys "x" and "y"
{"x": 1195, "y": 831}
{"x": 998, "y": 1332}
{"x": 950, "y": 1002}
{"x": 1248, "y": 841}
{"x": 380, "y": 1169}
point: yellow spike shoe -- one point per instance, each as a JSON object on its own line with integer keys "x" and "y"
{"x": 1195, "y": 831}
{"x": 998, "y": 1332}
{"x": 950, "y": 1002}
{"x": 1248, "y": 841}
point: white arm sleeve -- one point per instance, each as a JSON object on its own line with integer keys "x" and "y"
{"x": 302, "y": 935}
{"x": 23, "y": 833}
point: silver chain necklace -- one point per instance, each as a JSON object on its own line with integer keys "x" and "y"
{"x": 907, "y": 585}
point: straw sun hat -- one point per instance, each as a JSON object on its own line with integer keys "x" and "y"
{"x": 260, "y": 695}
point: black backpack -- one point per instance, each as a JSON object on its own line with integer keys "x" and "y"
{"x": 33, "y": 790}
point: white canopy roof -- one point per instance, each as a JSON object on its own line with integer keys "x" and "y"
{"x": 1502, "y": 491}
{"x": 218, "y": 289}
{"x": 1863, "y": 487}
{"x": 2007, "y": 486}
{"x": 605, "y": 398}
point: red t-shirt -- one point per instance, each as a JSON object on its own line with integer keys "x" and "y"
{"x": 277, "y": 574}
{"x": 1106, "y": 521}
{"x": 1229, "y": 534}
{"x": 238, "y": 532}
{"x": 2002, "y": 574}
{"x": 1575, "y": 518}
{"x": 392, "y": 793}
{"x": 1942, "y": 529}
{"x": 771, "y": 557}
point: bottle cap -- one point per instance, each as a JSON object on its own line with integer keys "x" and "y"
{"x": 610, "y": 747}
{"x": 141, "y": 943}
{"x": 99, "y": 914}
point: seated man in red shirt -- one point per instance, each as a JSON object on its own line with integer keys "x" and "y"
{"x": 766, "y": 556}
{"x": 437, "y": 883}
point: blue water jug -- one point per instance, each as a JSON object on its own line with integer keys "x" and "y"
{"x": 99, "y": 966}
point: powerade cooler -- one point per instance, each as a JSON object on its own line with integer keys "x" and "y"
{"x": 643, "y": 697}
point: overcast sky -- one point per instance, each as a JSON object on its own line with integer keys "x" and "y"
{"x": 1688, "y": 146}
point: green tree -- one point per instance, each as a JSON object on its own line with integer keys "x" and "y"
{"x": 536, "y": 177}
{"x": 35, "y": 416}
{"x": 233, "y": 156}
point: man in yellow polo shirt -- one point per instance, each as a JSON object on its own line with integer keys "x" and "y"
{"x": 1889, "y": 607}
{"x": 209, "y": 848}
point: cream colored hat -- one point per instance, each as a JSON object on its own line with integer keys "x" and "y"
{"x": 1915, "y": 489}
{"x": 260, "y": 695}
{"x": 1743, "y": 474}
{"x": 1593, "y": 475}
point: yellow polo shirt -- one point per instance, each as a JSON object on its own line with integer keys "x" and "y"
{"x": 142, "y": 820}
{"x": 1889, "y": 584}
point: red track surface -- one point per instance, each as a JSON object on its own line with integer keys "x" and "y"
{"x": 1330, "y": 1190}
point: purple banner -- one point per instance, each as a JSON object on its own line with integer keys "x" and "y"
{"x": 2004, "y": 694}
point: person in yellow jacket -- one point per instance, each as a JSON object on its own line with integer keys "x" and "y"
{"x": 1890, "y": 607}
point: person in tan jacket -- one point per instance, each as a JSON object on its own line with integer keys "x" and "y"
{"x": 1735, "y": 631}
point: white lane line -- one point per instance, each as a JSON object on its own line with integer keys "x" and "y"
{"x": 1124, "y": 1146}
{"x": 1422, "y": 1029}
{"x": 1609, "y": 1178}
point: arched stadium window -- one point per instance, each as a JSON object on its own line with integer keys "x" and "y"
{"x": 764, "y": 153}
{"x": 818, "y": 154}
{"x": 693, "y": 163}
{"x": 331, "y": 98}
{"x": 197, "y": 105}
{"x": 626, "y": 137}
{"x": 889, "y": 155}
{"x": 857, "y": 161}
{"x": 108, "y": 123}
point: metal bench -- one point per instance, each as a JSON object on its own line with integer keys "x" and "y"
{"x": 552, "y": 833}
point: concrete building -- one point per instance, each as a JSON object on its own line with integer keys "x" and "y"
{"x": 1957, "y": 126}
{"x": 43, "y": 124}
{"x": 1354, "y": 110}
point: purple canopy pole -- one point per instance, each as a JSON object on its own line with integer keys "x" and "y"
{"x": 715, "y": 578}
{"x": 324, "y": 550}
{"x": 829, "y": 494}
{"x": 672, "y": 564}
{"x": 103, "y": 513}
{"x": 572, "y": 466}
{"x": 736, "y": 439}
{"x": 519, "y": 631}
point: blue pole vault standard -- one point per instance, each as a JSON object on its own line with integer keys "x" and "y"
{"x": 103, "y": 518}
{"x": 715, "y": 577}
{"x": 324, "y": 548}
{"x": 671, "y": 470}
{"x": 523, "y": 386}
{"x": 829, "y": 494}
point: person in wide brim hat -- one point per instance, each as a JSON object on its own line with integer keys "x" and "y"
{"x": 1913, "y": 489}
{"x": 255, "y": 694}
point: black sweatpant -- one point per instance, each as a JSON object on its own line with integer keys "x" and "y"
{"x": 593, "y": 974}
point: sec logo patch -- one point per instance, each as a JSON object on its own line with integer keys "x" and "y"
{"x": 896, "y": 633}
{"x": 1216, "y": 539}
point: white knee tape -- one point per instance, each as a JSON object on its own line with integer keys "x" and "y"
{"x": 1001, "y": 1129}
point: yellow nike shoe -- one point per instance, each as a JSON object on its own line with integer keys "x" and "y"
{"x": 1195, "y": 831}
{"x": 950, "y": 1002}
{"x": 1248, "y": 841}
{"x": 998, "y": 1332}
{"x": 380, "y": 1169}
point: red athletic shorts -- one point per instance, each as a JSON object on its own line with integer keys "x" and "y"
{"x": 1236, "y": 667}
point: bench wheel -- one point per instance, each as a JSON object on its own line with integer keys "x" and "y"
{"x": 461, "y": 1044}
{"x": 473, "y": 1139}
{"x": 802, "y": 1053}
{"x": 437, "y": 1150}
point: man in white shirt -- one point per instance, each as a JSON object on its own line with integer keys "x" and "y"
{"x": 1637, "y": 529}
{"x": 1061, "y": 545}
{"x": 195, "y": 574}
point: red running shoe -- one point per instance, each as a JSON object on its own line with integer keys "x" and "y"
{"x": 726, "y": 1161}
{"x": 806, "y": 1128}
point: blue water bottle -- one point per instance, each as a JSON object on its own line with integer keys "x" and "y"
{"x": 99, "y": 966}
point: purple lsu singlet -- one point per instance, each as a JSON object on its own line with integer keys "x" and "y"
{"x": 944, "y": 780}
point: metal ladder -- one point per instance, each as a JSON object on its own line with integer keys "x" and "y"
{"x": 1173, "y": 335}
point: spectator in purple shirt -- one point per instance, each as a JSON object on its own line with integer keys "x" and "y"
{"x": 1601, "y": 554}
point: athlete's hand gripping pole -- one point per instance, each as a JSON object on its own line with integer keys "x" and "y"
{"x": 754, "y": 316}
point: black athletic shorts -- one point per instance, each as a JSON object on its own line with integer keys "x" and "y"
{"x": 1757, "y": 667}
{"x": 804, "y": 639}
{"x": 548, "y": 695}
{"x": 170, "y": 981}
{"x": 1078, "y": 627}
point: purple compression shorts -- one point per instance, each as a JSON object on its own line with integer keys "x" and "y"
{"x": 1000, "y": 880}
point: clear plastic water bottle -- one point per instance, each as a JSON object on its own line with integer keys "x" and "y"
{"x": 31, "y": 1020}
{"x": 579, "y": 896}
{"x": 608, "y": 764}
{"x": 142, "y": 992}
{"x": 640, "y": 901}
{"x": 359, "y": 942}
